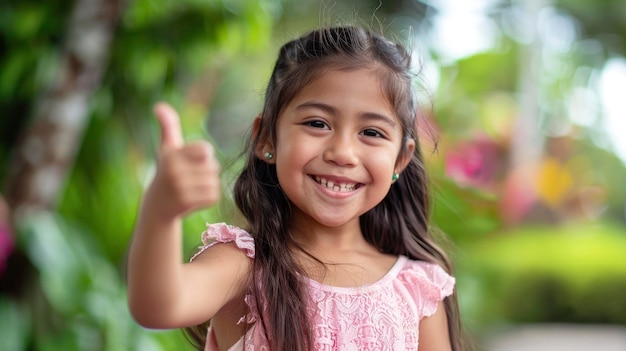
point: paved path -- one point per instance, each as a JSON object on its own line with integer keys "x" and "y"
{"x": 560, "y": 337}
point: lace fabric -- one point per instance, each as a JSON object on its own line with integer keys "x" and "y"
{"x": 384, "y": 315}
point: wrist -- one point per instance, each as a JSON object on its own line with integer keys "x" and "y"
{"x": 160, "y": 206}
{"x": 153, "y": 211}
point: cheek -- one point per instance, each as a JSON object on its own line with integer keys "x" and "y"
{"x": 291, "y": 160}
{"x": 380, "y": 169}
{"x": 383, "y": 161}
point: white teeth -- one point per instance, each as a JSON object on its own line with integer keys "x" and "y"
{"x": 335, "y": 187}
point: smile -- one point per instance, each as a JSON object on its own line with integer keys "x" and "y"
{"x": 335, "y": 186}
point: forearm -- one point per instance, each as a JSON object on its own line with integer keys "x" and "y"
{"x": 155, "y": 268}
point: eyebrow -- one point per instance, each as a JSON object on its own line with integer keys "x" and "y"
{"x": 331, "y": 110}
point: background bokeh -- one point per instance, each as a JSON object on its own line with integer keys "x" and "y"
{"x": 525, "y": 99}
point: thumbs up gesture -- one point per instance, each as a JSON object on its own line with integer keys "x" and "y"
{"x": 187, "y": 176}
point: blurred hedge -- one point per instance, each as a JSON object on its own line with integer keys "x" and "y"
{"x": 575, "y": 273}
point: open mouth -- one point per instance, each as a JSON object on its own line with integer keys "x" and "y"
{"x": 335, "y": 186}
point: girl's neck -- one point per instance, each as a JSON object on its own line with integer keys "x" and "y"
{"x": 330, "y": 240}
{"x": 345, "y": 265}
{"x": 338, "y": 256}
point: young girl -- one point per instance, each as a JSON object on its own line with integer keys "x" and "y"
{"x": 337, "y": 252}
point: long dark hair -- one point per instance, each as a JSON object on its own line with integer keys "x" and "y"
{"x": 399, "y": 225}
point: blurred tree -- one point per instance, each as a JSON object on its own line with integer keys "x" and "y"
{"x": 542, "y": 67}
{"x": 46, "y": 151}
{"x": 603, "y": 20}
{"x": 161, "y": 48}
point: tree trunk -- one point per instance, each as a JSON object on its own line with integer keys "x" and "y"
{"x": 46, "y": 151}
{"x": 528, "y": 140}
{"x": 518, "y": 195}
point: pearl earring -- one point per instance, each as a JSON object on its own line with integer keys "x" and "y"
{"x": 268, "y": 155}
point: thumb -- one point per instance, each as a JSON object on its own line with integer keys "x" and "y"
{"x": 171, "y": 135}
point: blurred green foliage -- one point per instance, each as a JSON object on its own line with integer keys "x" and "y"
{"x": 82, "y": 301}
{"x": 574, "y": 273}
{"x": 464, "y": 214}
{"x": 75, "y": 299}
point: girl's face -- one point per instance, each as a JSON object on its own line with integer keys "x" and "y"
{"x": 337, "y": 146}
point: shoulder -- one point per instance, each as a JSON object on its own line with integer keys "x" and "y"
{"x": 224, "y": 233}
{"x": 426, "y": 273}
{"x": 428, "y": 282}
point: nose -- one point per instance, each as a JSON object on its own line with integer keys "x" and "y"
{"x": 342, "y": 150}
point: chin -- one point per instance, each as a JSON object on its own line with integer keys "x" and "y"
{"x": 334, "y": 222}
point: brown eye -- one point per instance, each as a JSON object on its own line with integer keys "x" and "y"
{"x": 372, "y": 133}
{"x": 317, "y": 124}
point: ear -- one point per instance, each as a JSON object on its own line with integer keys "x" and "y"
{"x": 405, "y": 156}
{"x": 262, "y": 146}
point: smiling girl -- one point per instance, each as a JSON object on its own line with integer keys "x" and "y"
{"x": 337, "y": 252}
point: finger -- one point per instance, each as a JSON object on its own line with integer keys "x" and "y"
{"x": 207, "y": 193}
{"x": 200, "y": 151}
{"x": 171, "y": 134}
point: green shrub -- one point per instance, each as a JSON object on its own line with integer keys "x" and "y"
{"x": 569, "y": 274}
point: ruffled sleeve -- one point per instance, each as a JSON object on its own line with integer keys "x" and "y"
{"x": 430, "y": 284}
{"x": 225, "y": 233}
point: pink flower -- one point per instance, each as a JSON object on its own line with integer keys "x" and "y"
{"x": 474, "y": 163}
{"x": 6, "y": 246}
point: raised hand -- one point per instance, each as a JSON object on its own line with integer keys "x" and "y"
{"x": 187, "y": 176}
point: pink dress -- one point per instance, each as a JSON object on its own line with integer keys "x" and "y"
{"x": 384, "y": 315}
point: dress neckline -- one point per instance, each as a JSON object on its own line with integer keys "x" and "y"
{"x": 390, "y": 275}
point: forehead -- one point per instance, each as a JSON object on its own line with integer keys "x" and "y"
{"x": 364, "y": 89}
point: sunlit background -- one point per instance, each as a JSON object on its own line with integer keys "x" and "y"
{"x": 526, "y": 100}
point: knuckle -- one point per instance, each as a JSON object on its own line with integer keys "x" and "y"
{"x": 200, "y": 150}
